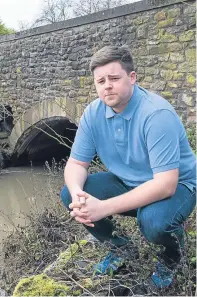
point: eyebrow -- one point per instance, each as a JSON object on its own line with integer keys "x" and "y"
{"x": 110, "y": 76}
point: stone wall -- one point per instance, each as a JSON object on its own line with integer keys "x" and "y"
{"x": 52, "y": 62}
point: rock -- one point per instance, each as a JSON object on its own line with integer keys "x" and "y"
{"x": 5, "y": 156}
{"x": 3, "y": 293}
{"x": 1, "y": 161}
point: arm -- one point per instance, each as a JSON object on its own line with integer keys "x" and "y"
{"x": 75, "y": 175}
{"x": 76, "y": 170}
{"x": 162, "y": 186}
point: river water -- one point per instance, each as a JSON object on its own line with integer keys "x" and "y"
{"x": 23, "y": 190}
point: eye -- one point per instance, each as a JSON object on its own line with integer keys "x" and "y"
{"x": 100, "y": 82}
{"x": 114, "y": 78}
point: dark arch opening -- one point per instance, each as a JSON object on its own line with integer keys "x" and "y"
{"x": 47, "y": 139}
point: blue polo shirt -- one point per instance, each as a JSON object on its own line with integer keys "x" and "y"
{"x": 147, "y": 137}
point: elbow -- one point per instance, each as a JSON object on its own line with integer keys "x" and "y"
{"x": 170, "y": 190}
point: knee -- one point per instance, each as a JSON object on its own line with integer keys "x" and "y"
{"x": 65, "y": 196}
{"x": 153, "y": 227}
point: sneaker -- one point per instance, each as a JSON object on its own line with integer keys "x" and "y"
{"x": 109, "y": 265}
{"x": 162, "y": 277}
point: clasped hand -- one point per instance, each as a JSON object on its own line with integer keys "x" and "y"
{"x": 87, "y": 209}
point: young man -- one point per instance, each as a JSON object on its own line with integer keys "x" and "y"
{"x": 151, "y": 167}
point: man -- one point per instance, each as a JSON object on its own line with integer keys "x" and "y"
{"x": 151, "y": 167}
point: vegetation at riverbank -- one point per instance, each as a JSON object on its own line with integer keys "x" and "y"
{"x": 30, "y": 249}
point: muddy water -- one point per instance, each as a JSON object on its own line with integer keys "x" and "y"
{"x": 23, "y": 190}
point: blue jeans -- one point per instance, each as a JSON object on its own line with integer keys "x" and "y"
{"x": 160, "y": 222}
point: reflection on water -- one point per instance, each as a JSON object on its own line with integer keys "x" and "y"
{"x": 21, "y": 190}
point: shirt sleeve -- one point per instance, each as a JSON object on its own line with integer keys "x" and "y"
{"x": 162, "y": 139}
{"x": 83, "y": 148}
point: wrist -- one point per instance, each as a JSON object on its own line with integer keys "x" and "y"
{"x": 75, "y": 190}
{"x": 108, "y": 207}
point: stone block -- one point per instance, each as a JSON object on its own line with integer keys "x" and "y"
{"x": 166, "y": 94}
{"x": 172, "y": 85}
{"x": 177, "y": 57}
{"x": 158, "y": 85}
{"x": 174, "y": 12}
{"x": 190, "y": 80}
{"x": 188, "y": 100}
{"x": 187, "y": 36}
{"x": 142, "y": 31}
{"x": 168, "y": 38}
{"x": 178, "y": 75}
{"x": 166, "y": 23}
{"x": 168, "y": 65}
{"x": 190, "y": 55}
{"x": 166, "y": 74}
{"x": 159, "y": 16}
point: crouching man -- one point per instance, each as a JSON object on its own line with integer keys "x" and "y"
{"x": 151, "y": 167}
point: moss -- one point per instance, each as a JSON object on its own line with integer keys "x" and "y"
{"x": 67, "y": 82}
{"x": 166, "y": 94}
{"x": 172, "y": 85}
{"x": 87, "y": 283}
{"x": 65, "y": 257}
{"x": 40, "y": 285}
{"x": 82, "y": 81}
{"x": 191, "y": 79}
{"x": 161, "y": 15}
{"x": 76, "y": 292}
{"x": 166, "y": 23}
{"x": 145, "y": 85}
{"x": 187, "y": 36}
{"x": 82, "y": 99}
{"x": 18, "y": 70}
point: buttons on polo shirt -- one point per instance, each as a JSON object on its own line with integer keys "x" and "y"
{"x": 119, "y": 130}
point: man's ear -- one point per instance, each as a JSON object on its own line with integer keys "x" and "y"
{"x": 133, "y": 77}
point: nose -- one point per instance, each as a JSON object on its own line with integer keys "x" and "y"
{"x": 108, "y": 84}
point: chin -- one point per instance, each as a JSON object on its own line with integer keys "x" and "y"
{"x": 111, "y": 103}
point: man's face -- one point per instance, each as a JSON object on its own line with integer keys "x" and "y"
{"x": 114, "y": 86}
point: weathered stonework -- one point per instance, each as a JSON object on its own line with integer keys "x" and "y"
{"x": 52, "y": 62}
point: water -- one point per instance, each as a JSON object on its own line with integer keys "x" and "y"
{"x": 22, "y": 190}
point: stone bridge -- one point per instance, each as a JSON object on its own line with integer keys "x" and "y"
{"x": 45, "y": 77}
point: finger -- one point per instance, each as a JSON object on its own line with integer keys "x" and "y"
{"x": 85, "y": 222}
{"x": 79, "y": 213}
{"x": 83, "y": 194}
{"x": 74, "y": 204}
{"x": 82, "y": 200}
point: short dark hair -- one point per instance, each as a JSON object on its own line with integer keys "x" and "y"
{"x": 109, "y": 54}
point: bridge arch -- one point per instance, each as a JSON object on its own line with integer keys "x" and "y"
{"x": 46, "y": 128}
